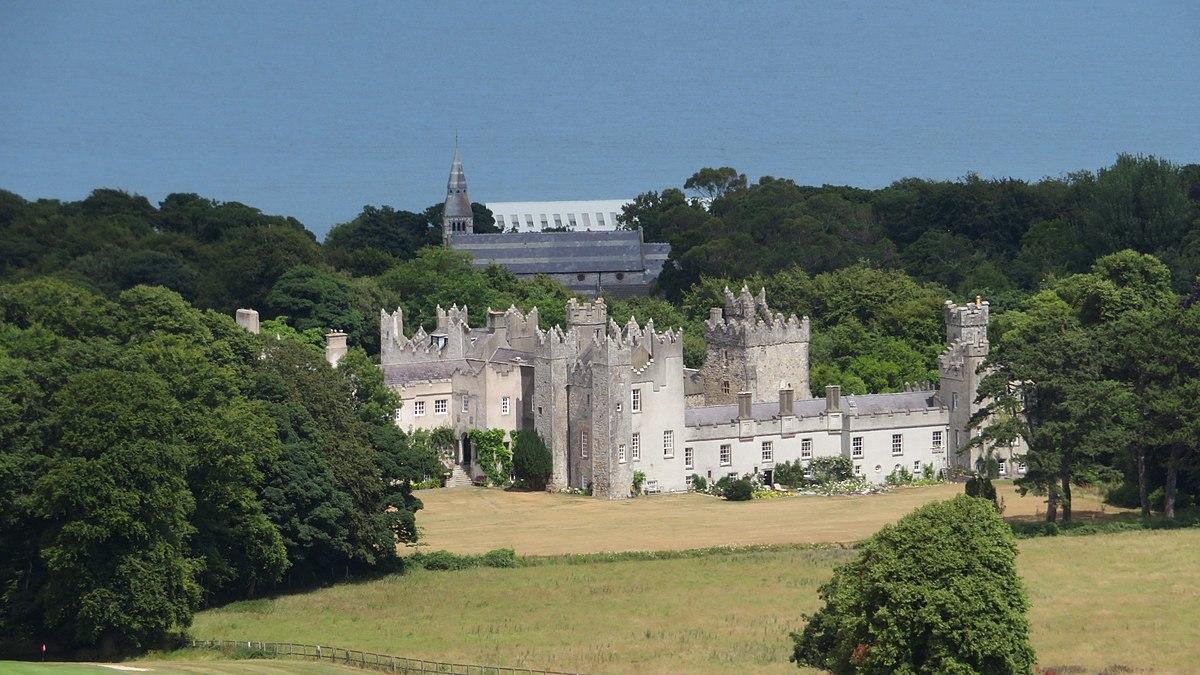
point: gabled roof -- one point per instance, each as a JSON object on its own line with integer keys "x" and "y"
{"x": 561, "y": 252}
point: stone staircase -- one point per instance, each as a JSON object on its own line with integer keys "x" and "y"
{"x": 459, "y": 478}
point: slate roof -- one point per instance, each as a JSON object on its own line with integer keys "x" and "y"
{"x": 400, "y": 374}
{"x": 870, "y": 404}
{"x": 565, "y": 252}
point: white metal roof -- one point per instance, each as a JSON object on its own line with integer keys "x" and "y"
{"x": 594, "y": 215}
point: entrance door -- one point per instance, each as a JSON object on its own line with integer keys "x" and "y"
{"x": 769, "y": 477}
{"x": 466, "y": 450}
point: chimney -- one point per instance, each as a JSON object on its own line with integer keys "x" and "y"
{"x": 786, "y": 397}
{"x": 335, "y": 347}
{"x": 833, "y": 398}
{"x": 248, "y": 319}
{"x": 715, "y": 314}
{"x": 744, "y": 405}
{"x": 498, "y": 325}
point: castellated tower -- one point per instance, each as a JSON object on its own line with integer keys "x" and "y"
{"x": 751, "y": 348}
{"x": 554, "y": 352}
{"x": 958, "y": 366}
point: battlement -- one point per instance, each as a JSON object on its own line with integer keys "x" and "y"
{"x": 967, "y": 324}
{"x": 586, "y": 313}
{"x": 449, "y": 317}
{"x": 970, "y": 314}
{"x": 747, "y": 320}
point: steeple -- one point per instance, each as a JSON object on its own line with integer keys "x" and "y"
{"x": 457, "y": 216}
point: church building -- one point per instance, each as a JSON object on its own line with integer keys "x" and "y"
{"x": 617, "y": 262}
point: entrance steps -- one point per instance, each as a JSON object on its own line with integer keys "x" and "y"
{"x": 458, "y": 478}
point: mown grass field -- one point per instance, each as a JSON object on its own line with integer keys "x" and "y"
{"x": 1129, "y": 600}
{"x": 470, "y": 520}
{"x": 203, "y": 666}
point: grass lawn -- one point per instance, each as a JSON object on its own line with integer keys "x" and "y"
{"x": 1130, "y": 599}
{"x": 200, "y": 667}
{"x": 472, "y": 520}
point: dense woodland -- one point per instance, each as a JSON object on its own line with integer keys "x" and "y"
{"x": 155, "y": 458}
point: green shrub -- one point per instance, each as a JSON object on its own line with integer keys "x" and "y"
{"x": 937, "y": 592}
{"x": 699, "y": 484}
{"x": 832, "y": 469}
{"x": 531, "y": 460}
{"x": 739, "y": 490}
{"x": 499, "y": 557}
{"x": 639, "y": 478}
{"x": 789, "y": 473}
{"x": 722, "y": 484}
{"x": 442, "y": 560}
{"x": 446, "y": 561}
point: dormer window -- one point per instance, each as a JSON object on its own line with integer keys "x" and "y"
{"x": 438, "y": 341}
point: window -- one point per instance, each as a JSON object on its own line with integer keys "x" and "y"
{"x": 724, "y": 386}
{"x": 897, "y": 445}
{"x": 1020, "y": 467}
{"x": 689, "y": 458}
{"x": 858, "y": 469}
{"x": 635, "y": 444}
{"x": 618, "y": 406}
{"x": 418, "y": 408}
{"x": 635, "y": 401}
{"x": 805, "y": 448}
{"x": 956, "y": 439}
{"x": 583, "y": 443}
{"x": 856, "y": 447}
{"x": 466, "y": 403}
{"x": 1016, "y": 441}
{"x": 505, "y": 405}
{"x": 621, "y": 453}
{"x": 587, "y": 221}
{"x": 439, "y": 406}
{"x": 529, "y": 220}
{"x": 1003, "y": 466}
{"x": 558, "y": 220}
{"x": 916, "y": 466}
{"x": 580, "y": 277}
{"x": 397, "y": 414}
{"x": 668, "y": 444}
{"x": 732, "y": 474}
{"x": 937, "y": 441}
{"x": 600, "y": 219}
{"x": 726, "y": 455}
{"x": 954, "y": 401}
{"x": 768, "y": 451}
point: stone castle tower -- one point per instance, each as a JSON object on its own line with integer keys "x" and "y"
{"x": 751, "y": 348}
{"x": 457, "y": 217}
{"x": 958, "y": 366}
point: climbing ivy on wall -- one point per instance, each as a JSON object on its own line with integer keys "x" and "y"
{"x": 494, "y": 457}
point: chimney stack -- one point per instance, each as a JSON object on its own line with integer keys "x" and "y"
{"x": 786, "y": 398}
{"x": 248, "y": 319}
{"x": 744, "y": 412}
{"x": 335, "y": 347}
{"x": 833, "y": 398}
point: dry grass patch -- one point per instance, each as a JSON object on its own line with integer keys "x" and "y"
{"x": 472, "y": 520}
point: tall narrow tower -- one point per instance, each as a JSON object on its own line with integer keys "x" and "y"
{"x": 457, "y": 217}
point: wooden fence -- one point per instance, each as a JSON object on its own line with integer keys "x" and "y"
{"x": 357, "y": 658}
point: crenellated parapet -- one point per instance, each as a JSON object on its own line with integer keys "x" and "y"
{"x": 748, "y": 321}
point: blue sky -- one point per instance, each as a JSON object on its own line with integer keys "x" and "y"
{"x": 315, "y": 110}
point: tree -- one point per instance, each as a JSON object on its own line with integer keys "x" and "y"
{"x": 531, "y": 459}
{"x": 116, "y": 502}
{"x": 714, "y": 184}
{"x": 937, "y": 591}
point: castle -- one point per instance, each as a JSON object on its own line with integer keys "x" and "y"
{"x": 610, "y": 400}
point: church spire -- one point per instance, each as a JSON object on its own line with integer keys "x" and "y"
{"x": 457, "y": 217}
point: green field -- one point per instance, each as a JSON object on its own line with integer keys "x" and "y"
{"x": 1119, "y": 600}
{"x": 200, "y": 667}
